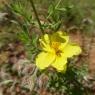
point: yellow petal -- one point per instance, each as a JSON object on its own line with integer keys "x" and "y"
{"x": 57, "y": 37}
{"x": 44, "y": 59}
{"x": 64, "y": 36}
{"x": 45, "y": 46}
{"x": 60, "y": 64}
{"x": 46, "y": 39}
{"x": 61, "y": 37}
{"x": 42, "y": 43}
{"x": 45, "y": 42}
{"x": 71, "y": 50}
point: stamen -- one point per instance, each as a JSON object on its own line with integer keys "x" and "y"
{"x": 55, "y": 46}
{"x": 58, "y": 53}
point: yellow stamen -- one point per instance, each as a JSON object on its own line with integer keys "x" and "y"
{"x": 55, "y": 46}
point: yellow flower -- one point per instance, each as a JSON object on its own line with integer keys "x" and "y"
{"x": 56, "y": 49}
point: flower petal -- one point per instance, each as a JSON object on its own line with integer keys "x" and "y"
{"x": 57, "y": 37}
{"x": 61, "y": 37}
{"x": 47, "y": 39}
{"x": 60, "y": 64}
{"x": 71, "y": 50}
{"x": 45, "y": 42}
{"x": 44, "y": 59}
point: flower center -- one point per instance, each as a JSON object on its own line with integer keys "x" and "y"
{"x": 55, "y": 46}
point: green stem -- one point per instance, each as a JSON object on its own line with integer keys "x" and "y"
{"x": 34, "y": 9}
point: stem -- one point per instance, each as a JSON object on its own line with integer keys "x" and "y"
{"x": 34, "y": 9}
